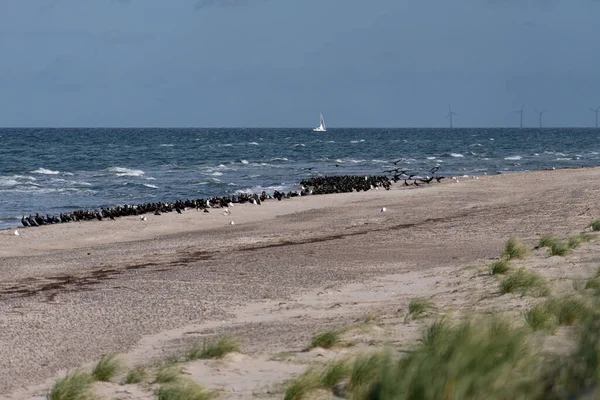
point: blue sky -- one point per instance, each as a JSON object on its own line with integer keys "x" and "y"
{"x": 262, "y": 63}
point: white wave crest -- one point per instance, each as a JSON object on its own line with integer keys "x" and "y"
{"x": 513, "y": 158}
{"x": 167, "y": 145}
{"x": 45, "y": 171}
{"x": 456, "y": 155}
{"x": 244, "y": 161}
{"x": 119, "y": 171}
{"x": 253, "y": 143}
{"x": 217, "y": 173}
{"x": 431, "y": 158}
{"x": 150, "y": 186}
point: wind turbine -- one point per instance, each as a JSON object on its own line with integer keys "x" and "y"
{"x": 521, "y": 112}
{"x": 596, "y": 111}
{"x": 541, "y": 112}
{"x": 450, "y": 114}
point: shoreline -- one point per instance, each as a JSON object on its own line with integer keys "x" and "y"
{"x": 71, "y": 292}
{"x": 19, "y": 225}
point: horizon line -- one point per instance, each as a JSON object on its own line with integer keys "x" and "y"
{"x": 297, "y": 128}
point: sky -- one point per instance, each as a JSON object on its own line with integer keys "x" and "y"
{"x": 278, "y": 63}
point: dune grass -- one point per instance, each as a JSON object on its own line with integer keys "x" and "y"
{"x": 303, "y": 385}
{"x": 183, "y": 390}
{"x": 336, "y": 372}
{"x": 168, "y": 374}
{"x": 559, "y": 248}
{"x": 419, "y": 306}
{"x": 136, "y": 375}
{"x": 109, "y": 366}
{"x": 318, "y": 378}
{"x": 540, "y": 318}
{"x": 499, "y": 267}
{"x": 514, "y": 249}
{"x": 547, "y": 240}
{"x": 595, "y": 225}
{"x": 74, "y": 386}
{"x": 525, "y": 282}
{"x": 326, "y": 340}
{"x": 474, "y": 360}
{"x": 214, "y": 348}
{"x": 557, "y": 311}
{"x": 592, "y": 283}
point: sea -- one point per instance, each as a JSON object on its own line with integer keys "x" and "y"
{"x": 49, "y": 171}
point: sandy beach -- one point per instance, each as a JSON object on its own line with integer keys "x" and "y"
{"x": 285, "y": 270}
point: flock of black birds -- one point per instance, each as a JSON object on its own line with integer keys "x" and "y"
{"x": 311, "y": 186}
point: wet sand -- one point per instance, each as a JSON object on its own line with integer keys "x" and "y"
{"x": 70, "y": 293}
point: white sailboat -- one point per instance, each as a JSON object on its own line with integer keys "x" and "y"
{"x": 321, "y": 127}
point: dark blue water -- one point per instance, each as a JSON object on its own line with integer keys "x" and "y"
{"x": 56, "y": 170}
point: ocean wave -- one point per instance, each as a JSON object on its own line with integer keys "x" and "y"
{"x": 279, "y": 159}
{"x": 167, "y": 145}
{"x": 357, "y": 141}
{"x": 45, "y": 171}
{"x": 431, "y": 158}
{"x": 330, "y": 141}
{"x": 244, "y": 161}
{"x": 456, "y": 155}
{"x": 513, "y": 158}
{"x": 299, "y": 145}
{"x": 253, "y": 144}
{"x": 150, "y": 186}
{"x": 217, "y": 173}
{"x": 8, "y": 182}
{"x": 78, "y": 183}
{"x": 476, "y": 145}
{"x": 120, "y": 171}
{"x": 259, "y": 189}
{"x": 563, "y": 159}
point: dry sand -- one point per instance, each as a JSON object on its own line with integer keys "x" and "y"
{"x": 285, "y": 270}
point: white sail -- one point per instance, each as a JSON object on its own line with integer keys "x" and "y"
{"x": 321, "y": 127}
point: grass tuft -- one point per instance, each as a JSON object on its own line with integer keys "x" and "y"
{"x": 183, "y": 390}
{"x": 364, "y": 371}
{"x": 474, "y": 360}
{"x": 593, "y": 283}
{"x": 514, "y": 248}
{"x": 168, "y": 374}
{"x": 136, "y": 375}
{"x": 499, "y": 267}
{"x": 302, "y": 386}
{"x": 335, "y": 373}
{"x": 547, "y": 240}
{"x": 215, "y": 348}
{"x": 540, "y": 318}
{"x": 559, "y": 248}
{"x": 419, "y": 306}
{"x": 107, "y": 368}
{"x": 326, "y": 340}
{"x": 567, "y": 310}
{"x": 595, "y": 225}
{"x": 75, "y": 386}
{"x": 524, "y": 282}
